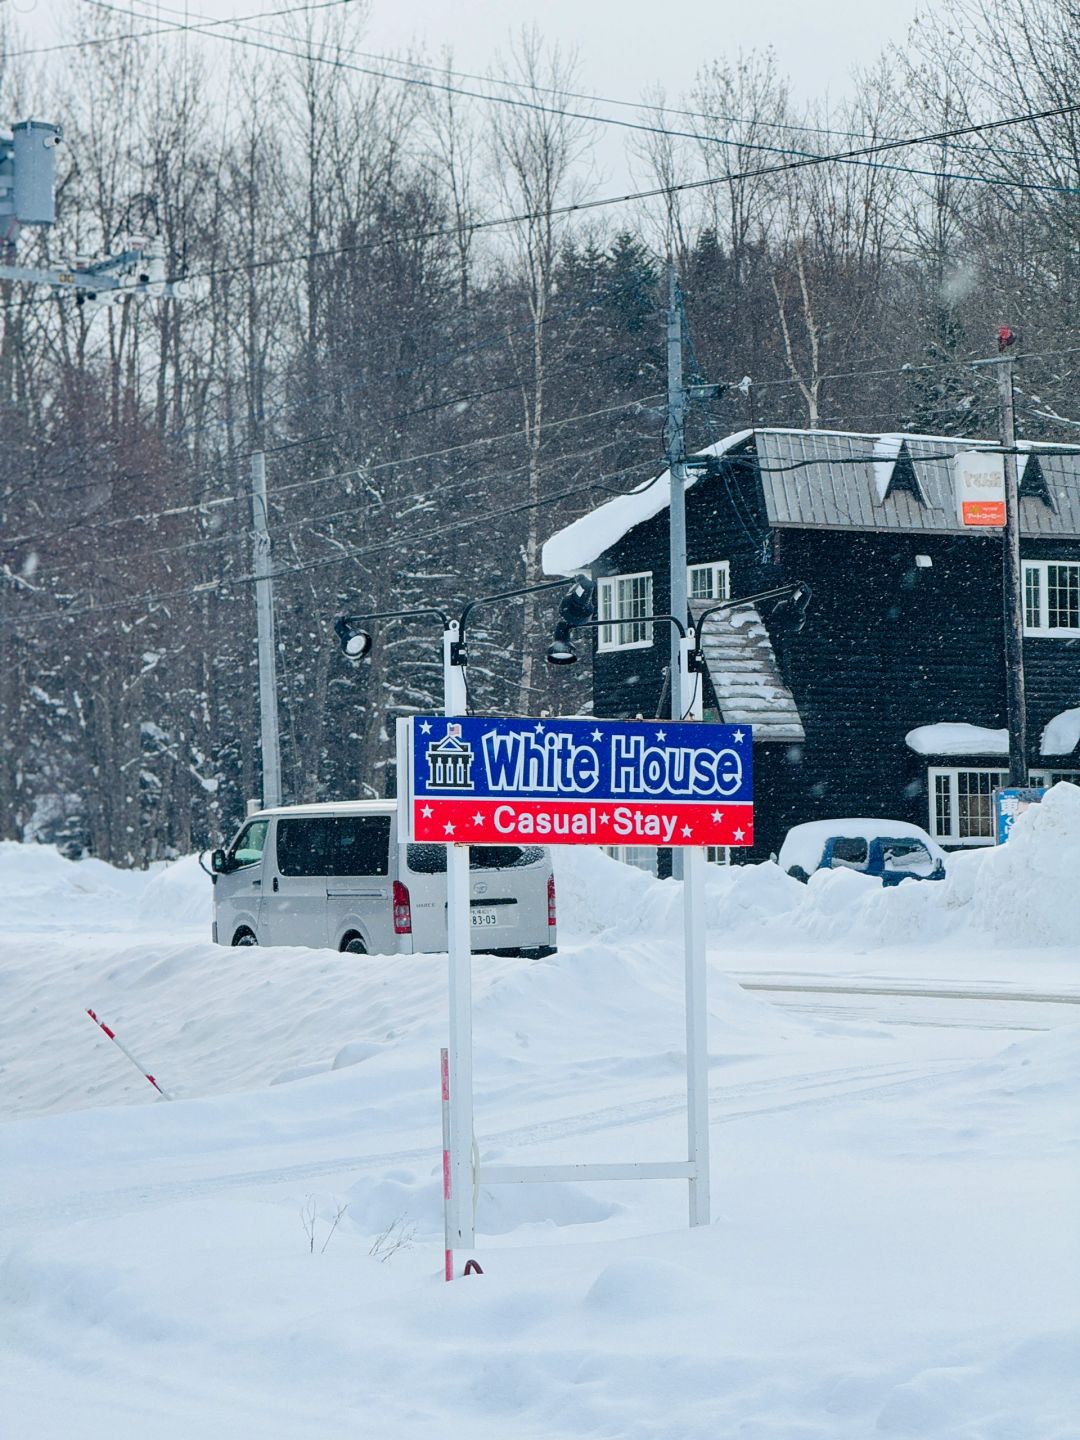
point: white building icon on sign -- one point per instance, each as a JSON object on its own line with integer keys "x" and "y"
{"x": 450, "y": 762}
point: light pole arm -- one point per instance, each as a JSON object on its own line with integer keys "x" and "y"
{"x": 504, "y": 595}
{"x": 778, "y": 593}
{"x": 397, "y": 615}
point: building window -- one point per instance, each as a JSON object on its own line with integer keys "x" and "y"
{"x": 1051, "y": 597}
{"x": 625, "y": 598}
{"x": 709, "y": 582}
{"x": 641, "y": 857}
{"x": 718, "y": 854}
{"x": 961, "y": 805}
{"x": 1043, "y": 779}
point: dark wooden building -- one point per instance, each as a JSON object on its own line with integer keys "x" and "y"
{"x": 891, "y": 701}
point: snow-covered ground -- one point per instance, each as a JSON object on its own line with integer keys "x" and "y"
{"x": 894, "y": 1121}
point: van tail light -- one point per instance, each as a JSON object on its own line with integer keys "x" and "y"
{"x": 402, "y": 910}
{"x": 551, "y": 899}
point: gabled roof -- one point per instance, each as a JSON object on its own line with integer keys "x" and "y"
{"x": 839, "y": 480}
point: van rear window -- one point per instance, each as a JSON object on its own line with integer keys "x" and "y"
{"x": 334, "y": 845}
{"x": 431, "y": 859}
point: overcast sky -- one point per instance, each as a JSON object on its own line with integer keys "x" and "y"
{"x": 625, "y": 46}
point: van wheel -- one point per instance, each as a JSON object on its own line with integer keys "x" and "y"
{"x": 244, "y": 937}
{"x": 354, "y": 946}
{"x": 798, "y": 873}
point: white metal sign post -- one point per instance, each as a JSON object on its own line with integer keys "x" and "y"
{"x": 459, "y": 945}
{"x": 697, "y": 1000}
{"x": 486, "y": 780}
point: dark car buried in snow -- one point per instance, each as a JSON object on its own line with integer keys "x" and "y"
{"x": 888, "y": 850}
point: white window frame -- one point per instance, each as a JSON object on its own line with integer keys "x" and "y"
{"x": 943, "y": 784}
{"x": 1036, "y": 578}
{"x": 620, "y": 633}
{"x": 719, "y": 580}
{"x": 641, "y": 857}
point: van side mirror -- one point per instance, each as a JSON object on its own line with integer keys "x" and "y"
{"x": 219, "y": 862}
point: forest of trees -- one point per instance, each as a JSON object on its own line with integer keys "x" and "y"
{"x": 444, "y": 362}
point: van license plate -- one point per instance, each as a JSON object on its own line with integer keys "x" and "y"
{"x": 482, "y": 919}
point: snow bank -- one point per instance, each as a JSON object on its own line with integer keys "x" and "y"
{"x": 40, "y": 890}
{"x": 1023, "y": 893}
{"x": 178, "y": 896}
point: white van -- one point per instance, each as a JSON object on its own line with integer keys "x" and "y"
{"x": 335, "y": 875}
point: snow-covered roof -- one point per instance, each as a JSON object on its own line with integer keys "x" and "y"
{"x": 581, "y": 542}
{"x": 841, "y": 480}
{"x": 1059, "y": 737}
{"x": 953, "y": 738}
{"x": 1062, "y": 735}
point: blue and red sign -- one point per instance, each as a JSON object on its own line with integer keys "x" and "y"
{"x": 479, "y": 780}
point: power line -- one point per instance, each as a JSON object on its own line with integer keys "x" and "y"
{"x": 336, "y": 62}
{"x": 798, "y": 161}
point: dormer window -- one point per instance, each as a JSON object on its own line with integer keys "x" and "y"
{"x": 894, "y": 471}
{"x": 1033, "y": 484}
{"x": 903, "y": 477}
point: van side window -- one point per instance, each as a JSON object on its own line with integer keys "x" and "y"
{"x": 334, "y": 845}
{"x": 248, "y": 849}
{"x": 359, "y": 845}
{"x": 301, "y": 846}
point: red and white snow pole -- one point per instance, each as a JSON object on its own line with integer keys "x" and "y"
{"x": 125, "y": 1051}
{"x": 444, "y": 1066}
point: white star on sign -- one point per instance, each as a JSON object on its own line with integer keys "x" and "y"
{"x": 604, "y": 818}
{"x": 739, "y": 737}
{"x": 539, "y": 727}
{"x": 425, "y": 727}
{"x": 687, "y": 831}
{"x": 718, "y": 815}
{"x": 478, "y": 819}
{"x": 661, "y": 734}
{"x": 596, "y": 735}
{"x": 425, "y": 811}
{"x": 739, "y": 834}
{"x": 448, "y": 828}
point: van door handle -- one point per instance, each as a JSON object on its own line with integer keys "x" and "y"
{"x": 275, "y": 883}
{"x": 256, "y": 882}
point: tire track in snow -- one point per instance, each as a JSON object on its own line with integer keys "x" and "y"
{"x": 822, "y": 1088}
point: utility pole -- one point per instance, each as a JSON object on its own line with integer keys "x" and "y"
{"x": 675, "y": 442}
{"x": 1012, "y": 575}
{"x": 264, "y": 604}
{"x": 1013, "y": 578}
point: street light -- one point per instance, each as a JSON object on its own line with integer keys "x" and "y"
{"x": 576, "y": 609}
{"x": 792, "y": 603}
